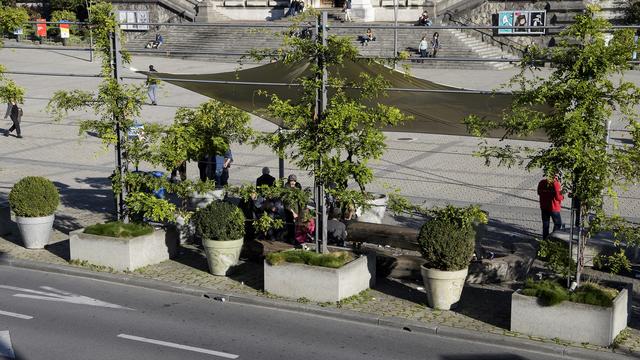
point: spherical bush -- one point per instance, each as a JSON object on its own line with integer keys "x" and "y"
{"x": 219, "y": 221}
{"x": 445, "y": 245}
{"x": 34, "y": 196}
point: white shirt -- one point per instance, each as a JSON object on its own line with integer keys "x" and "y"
{"x": 424, "y": 45}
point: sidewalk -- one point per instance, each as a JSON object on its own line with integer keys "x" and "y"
{"x": 483, "y": 312}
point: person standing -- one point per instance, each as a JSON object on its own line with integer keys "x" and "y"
{"x": 550, "y": 193}
{"x": 266, "y": 178}
{"x": 292, "y": 182}
{"x": 435, "y": 44}
{"x": 347, "y": 11}
{"x": 222, "y": 164}
{"x": 424, "y": 48}
{"x": 152, "y": 86}
{"x": 15, "y": 113}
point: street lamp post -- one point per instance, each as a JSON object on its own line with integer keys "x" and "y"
{"x": 395, "y": 33}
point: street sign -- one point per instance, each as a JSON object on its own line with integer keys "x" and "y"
{"x": 64, "y": 30}
{"x": 60, "y": 296}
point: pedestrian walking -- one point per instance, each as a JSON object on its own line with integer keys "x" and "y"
{"x": 222, "y": 166}
{"x": 347, "y": 11}
{"x": 424, "y": 48}
{"x": 435, "y": 44}
{"x": 152, "y": 84}
{"x": 15, "y": 113}
{"x": 550, "y": 193}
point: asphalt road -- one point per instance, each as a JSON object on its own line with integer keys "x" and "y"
{"x": 52, "y": 316}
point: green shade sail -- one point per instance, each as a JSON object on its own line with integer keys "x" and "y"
{"x": 433, "y": 112}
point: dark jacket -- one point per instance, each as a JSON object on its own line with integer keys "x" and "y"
{"x": 265, "y": 179}
{"x": 336, "y": 231}
{"x": 14, "y": 112}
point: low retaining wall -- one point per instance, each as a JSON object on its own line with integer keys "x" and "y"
{"x": 576, "y": 322}
{"x": 320, "y": 284}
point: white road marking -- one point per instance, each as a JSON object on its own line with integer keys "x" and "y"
{"x": 60, "y": 296}
{"x": 6, "y": 350}
{"x": 178, "y": 346}
{"x": 16, "y": 315}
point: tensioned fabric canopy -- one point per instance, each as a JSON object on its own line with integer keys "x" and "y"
{"x": 439, "y": 112}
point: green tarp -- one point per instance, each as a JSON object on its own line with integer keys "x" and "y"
{"x": 433, "y": 112}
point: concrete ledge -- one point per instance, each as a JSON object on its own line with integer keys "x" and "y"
{"x": 123, "y": 253}
{"x": 320, "y": 284}
{"x": 575, "y": 322}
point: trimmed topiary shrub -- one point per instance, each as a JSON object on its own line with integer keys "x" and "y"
{"x": 219, "y": 221}
{"x": 119, "y": 229}
{"x": 34, "y": 196}
{"x": 446, "y": 245}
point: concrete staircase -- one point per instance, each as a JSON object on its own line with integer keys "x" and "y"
{"x": 227, "y": 43}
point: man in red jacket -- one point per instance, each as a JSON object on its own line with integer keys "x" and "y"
{"x": 550, "y": 204}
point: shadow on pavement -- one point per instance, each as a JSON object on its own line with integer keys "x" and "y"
{"x": 483, "y": 357}
{"x": 399, "y": 289}
{"x": 489, "y": 305}
{"x": 97, "y": 199}
{"x": 60, "y": 249}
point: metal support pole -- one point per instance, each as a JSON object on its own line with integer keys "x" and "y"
{"x": 571, "y": 226}
{"x": 395, "y": 33}
{"x": 280, "y": 163}
{"x": 116, "y": 63}
{"x": 321, "y": 105}
{"x": 88, "y": 5}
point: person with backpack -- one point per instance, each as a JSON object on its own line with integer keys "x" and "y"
{"x": 15, "y": 113}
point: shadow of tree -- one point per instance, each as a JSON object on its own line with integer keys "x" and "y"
{"x": 483, "y": 357}
{"x": 97, "y": 199}
{"x": 401, "y": 289}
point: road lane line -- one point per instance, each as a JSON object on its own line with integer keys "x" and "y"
{"x": 16, "y": 315}
{"x": 178, "y": 346}
{"x": 6, "y": 350}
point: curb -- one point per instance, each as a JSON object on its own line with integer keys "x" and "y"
{"x": 332, "y": 313}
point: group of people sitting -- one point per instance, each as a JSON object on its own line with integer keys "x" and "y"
{"x": 295, "y": 7}
{"x": 424, "y": 19}
{"x": 155, "y": 44}
{"x": 299, "y": 222}
{"x": 429, "y": 48}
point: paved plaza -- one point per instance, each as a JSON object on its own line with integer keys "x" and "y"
{"x": 429, "y": 169}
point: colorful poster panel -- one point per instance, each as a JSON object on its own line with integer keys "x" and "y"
{"x": 537, "y": 21}
{"x": 505, "y": 19}
{"x": 520, "y": 21}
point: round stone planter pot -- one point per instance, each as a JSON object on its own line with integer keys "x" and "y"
{"x": 443, "y": 287}
{"x": 375, "y": 213}
{"x": 35, "y": 231}
{"x": 221, "y": 255}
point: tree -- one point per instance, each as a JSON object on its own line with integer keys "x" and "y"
{"x": 573, "y": 106}
{"x": 11, "y": 18}
{"x": 337, "y": 143}
{"x": 632, "y": 12}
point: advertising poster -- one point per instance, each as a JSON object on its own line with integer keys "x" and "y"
{"x": 41, "y": 27}
{"x": 537, "y": 19}
{"x": 520, "y": 20}
{"x": 64, "y": 31}
{"x": 505, "y": 19}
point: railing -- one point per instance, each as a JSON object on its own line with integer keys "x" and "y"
{"x": 511, "y": 46}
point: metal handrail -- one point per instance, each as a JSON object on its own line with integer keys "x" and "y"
{"x": 513, "y": 44}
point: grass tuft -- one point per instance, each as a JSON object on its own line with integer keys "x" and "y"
{"x": 551, "y": 293}
{"x": 118, "y": 229}
{"x": 331, "y": 260}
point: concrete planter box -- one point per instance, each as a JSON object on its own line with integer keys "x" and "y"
{"x": 375, "y": 213}
{"x": 320, "y": 284}
{"x": 123, "y": 253}
{"x": 200, "y": 200}
{"x": 576, "y": 322}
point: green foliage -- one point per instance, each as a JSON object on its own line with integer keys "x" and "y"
{"x": 548, "y": 292}
{"x": 66, "y": 5}
{"x": 593, "y": 294}
{"x": 265, "y": 223}
{"x": 331, "y": 260}
{"x": 60, "y": 15}
{"x": 119, "y": 230}
{"x": 12, "y": 18}
{"x": 614, "y": 263}
{"x": 337, "y": 144}
{"x": 632, "y": 12}
{"x": 219, "y": 221}
{"x": 445, "y": 245}
{"x": 572, "y": 107}
{"x": 34, "y": 196}
{"x": 150, "y": 207}
{"x": 551, "y": 292}
{"x": 556, "y": 255}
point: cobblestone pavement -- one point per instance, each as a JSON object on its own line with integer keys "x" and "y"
{"x": 482, "y": 308}
{"x": 429, "y": 169}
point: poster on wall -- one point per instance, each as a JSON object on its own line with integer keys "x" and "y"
{"x": 524, "y": 22}
{"x": 505, "y": 19}
{"x": 537, "y": 21}
{"x": 64, "y": 30}
{"x": 520, "y": 21}
{"x": 133, "y": 19}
